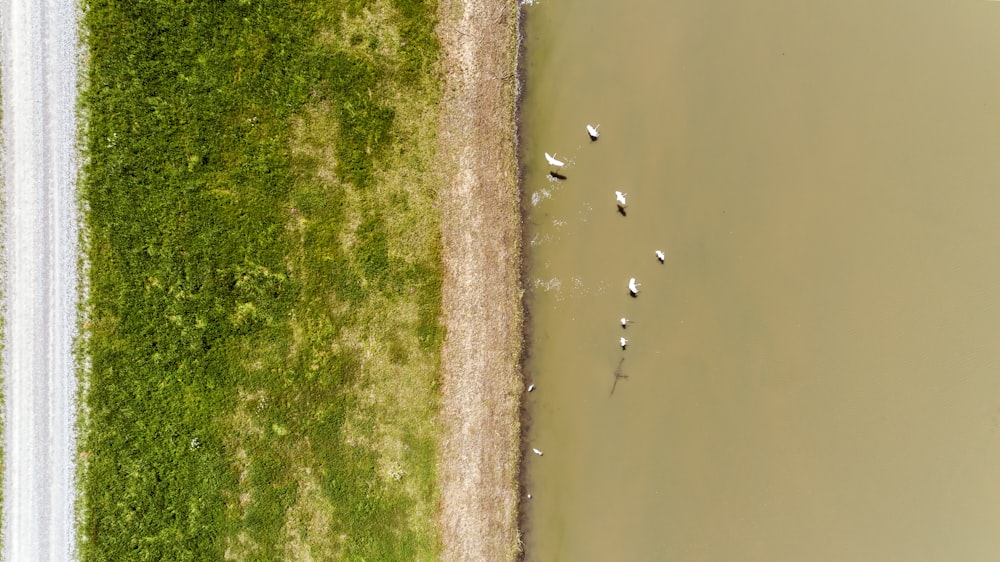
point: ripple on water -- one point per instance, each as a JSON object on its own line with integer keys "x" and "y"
{"x": 550, "y": 285}
{"x": 539, "y": 239}
{"x": 539, "y": 196}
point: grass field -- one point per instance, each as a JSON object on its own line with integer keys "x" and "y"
{"x": 262, "y": 328}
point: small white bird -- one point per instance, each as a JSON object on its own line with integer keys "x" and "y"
{"x": 537, "y": 452}
{"x": 621, "y": 198}
{"x": 553, "y": 162}
{"x": 660, "y": 256}
{"x": 529, "y": 496}
{"x": 633, "y": 287}
{"x": 623, "y": 341}
{"x": 592, "y": 131}
{"x": 531, "y": 387}
{"x": 624, "y": 322}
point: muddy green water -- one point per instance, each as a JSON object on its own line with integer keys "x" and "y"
{"x": 814, "y": 373}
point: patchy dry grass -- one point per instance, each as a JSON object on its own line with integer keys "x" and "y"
{"x": 482, "y": 386}
{"x": 265, "y": 281}
{"x": 268, "y": 266}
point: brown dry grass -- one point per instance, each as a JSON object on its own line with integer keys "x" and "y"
{"x": 481, "y": 236}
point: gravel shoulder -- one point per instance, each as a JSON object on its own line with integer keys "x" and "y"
{"x": 40, "y": 277}
{"x": 481, "y": 234}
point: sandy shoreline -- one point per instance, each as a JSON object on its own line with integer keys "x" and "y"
{"x": 481, "y": 388}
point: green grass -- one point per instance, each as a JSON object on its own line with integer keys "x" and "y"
{"x": 264, "y": 280}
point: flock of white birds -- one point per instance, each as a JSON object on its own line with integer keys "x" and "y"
{"x": 633, "y": 285}
{"x": 620, "y": 199}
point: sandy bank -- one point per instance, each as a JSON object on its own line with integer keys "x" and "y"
{"x": 481, "y": 236}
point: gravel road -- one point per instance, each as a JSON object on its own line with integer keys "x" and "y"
{"x": 39, "y": 65}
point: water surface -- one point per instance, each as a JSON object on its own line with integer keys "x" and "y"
{"x": 814, "y": 373}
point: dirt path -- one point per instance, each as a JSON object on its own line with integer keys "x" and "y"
{"x": 40, "y": 276}
{"x": 481, "y": 386}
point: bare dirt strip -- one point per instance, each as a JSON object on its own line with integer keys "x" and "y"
{"x": 481, "y": 235}
{"x": 40, "y": 276}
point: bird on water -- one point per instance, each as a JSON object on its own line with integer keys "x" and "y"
{"x": 633, "y": 287}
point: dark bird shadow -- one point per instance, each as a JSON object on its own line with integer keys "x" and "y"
{"x": 557, "y": 175}
{"x": 622, "y": 211}
{"x": 633, "y": 295}
{"x": 619, "y": 374}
